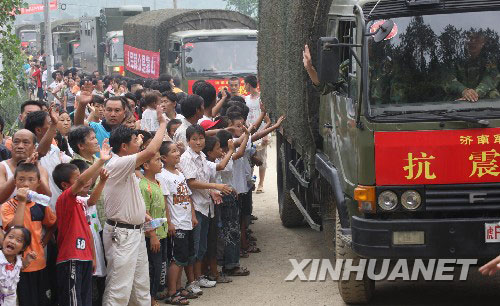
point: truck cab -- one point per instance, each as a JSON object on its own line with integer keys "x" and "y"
{"x": 113, "y": 59}
{"x": 28, "y": 39}
{"x": 407, "y": 162}
{"x": 212, "y": 55}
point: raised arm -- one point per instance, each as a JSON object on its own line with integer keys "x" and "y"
{"x": 311, "y": 71}
{"x": 96, "y": 193}
{"x": 22, "y": 198}
{"x": 154, "y": 145}
{"x": 194, "y": 184}
{"x": 88, "y": 174}
{"x": 7, "y": 186}
{"x": 223, "y": 163}
{"x": 266, "y": 131}
{"x": 220, "y": 103}
{"x": 243, "y": 145}
{"x": 82, "y": 100}
{"x": 44, "y": 145}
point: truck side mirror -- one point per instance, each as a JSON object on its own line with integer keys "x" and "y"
{"x": 328, "y": 60}
{"x": 172, "y": 56}
{"x": 102, "y": 47}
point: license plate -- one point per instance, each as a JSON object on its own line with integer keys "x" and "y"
{"x": 492, "y": 232}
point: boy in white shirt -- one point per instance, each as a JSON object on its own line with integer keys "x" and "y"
{"x": 149, "y": 121}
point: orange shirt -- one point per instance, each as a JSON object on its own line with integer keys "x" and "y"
{"x": 35, "y": 217}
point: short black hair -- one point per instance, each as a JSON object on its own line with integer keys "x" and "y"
{"x": 165, "y": 148}
{"x": 30, "y": 102}
{"x": 35, "y": 120}
{"x": 235, "y": 116}
{"x": 131, "y": 96}
{"x": 97, "y": 99}
{"x": 164, "y": 77}
{"x": 123, "y": 101}
{"x": 55, "y": 73}
{"x": 94, "y": 81}
{"x": 77, "y": 136}
{"x": 251, "y": 80}
{"x": 172, "y": 123}
{"x": 170, "y": 95}
{"x": 62, "y": 173}
{"x": 26, "y": 234}
{"x": 27, "y": 167}
{"x": 191, "y": 105}
{"x": 164, "y": 86}
{"x": 80, "y": 164}
{"x": 151, "y": 98}
{"x": 234, "y": 79}
{"x": 207, "y": 92}
{"x": 119, "y": 136}
{"x": 62, "y": 143}
{"x": 145, "y": 135}
{"x": 196, "y": 84}
{"x": 57, "y": 65}
{"x": 210, "y": 143}
{"x": 193, "y": 130}
{"x": 223, "y": 137}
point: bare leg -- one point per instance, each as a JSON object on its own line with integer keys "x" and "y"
{"x": 262, "y": 175}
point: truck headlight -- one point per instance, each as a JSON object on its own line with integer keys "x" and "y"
{"x": 411, "y": 200}
{"x": 387, "y": 200}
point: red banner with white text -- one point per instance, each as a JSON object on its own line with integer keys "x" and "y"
{"x": 437, "y": 157}
{"x": 38, "y": 8}
{"x": 144, "y": 63}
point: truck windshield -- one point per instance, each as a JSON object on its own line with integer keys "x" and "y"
{"x": 436, "y": 62}
{"x": 223, "y": 57}
{"x": 116, "y": 48}
{"x": 28, "y": 36}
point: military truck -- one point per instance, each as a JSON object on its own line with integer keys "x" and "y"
{"x": 101, "y": 39}
{"x": 28, "y": 34}
{"x": 399, "y": 156}
{"x": 212, "y": 45}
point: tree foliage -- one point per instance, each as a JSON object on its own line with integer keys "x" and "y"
{"x": 247, "y": 7}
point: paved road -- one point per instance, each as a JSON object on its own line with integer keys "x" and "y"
{"x": 266, "y": 285}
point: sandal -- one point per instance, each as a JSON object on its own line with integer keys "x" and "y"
{"x": 176, "y": 299}
{"x": 252, "y": 238}
{"x": 162, "y": 295}
{"x": 187, "y": 294}
{"x": 240, "y": 271}
{"x": 253, "y": 249}
{"x": 222, "y": 278}
{"x": 259, "y": 190}
{"x": 243, "y": 254}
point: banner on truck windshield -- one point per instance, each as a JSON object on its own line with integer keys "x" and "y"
{"x": 219, "y": 85}
{"x": 144, "y": 63}
{"x": 437, "y": 157}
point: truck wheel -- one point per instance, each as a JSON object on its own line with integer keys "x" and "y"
{"x": 290, "y": 215}
{"x": 352, "y": 291}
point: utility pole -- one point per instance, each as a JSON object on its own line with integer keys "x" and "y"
{"x": 175, "y": 4}
{"x": 48, "y": 41}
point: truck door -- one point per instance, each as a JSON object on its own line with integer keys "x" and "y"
{"x": 174, "y": 59}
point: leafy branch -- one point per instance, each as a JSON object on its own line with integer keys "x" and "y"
{"x": 247, "y": 7}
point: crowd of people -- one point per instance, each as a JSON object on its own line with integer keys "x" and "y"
{"x": 99, "y": 162}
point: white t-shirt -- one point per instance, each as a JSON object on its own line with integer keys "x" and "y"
{"x": 9, "y": 278}
{"x": 49, "y": 162}
{"x": 174, "y": 186}
{"x": 225, "y": 176}
{"x": 254, "y": 109}
{"x": 149, "y": 121}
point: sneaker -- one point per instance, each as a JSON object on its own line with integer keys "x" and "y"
{"x": 206, "y": 283}
{"x": 194, "y": 288}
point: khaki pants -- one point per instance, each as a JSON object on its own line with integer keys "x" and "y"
{"x": 127, "y": 281}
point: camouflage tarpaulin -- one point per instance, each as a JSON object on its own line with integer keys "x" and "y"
{"x": 149, "y": 30}
{"x": 285, "y": 26}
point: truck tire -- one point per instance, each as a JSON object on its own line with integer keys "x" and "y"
{"x": 290, "y": 215}
{"x": 352, "y": 291}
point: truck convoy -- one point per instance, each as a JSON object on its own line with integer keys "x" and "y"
{"x": 211, "y": 45}
{"x": 400, "y": 156}
{"x": 101, "y": 40}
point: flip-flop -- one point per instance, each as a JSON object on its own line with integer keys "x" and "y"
{"x": 260, "y": 190}
{"x": 253, "y": 249}
{"x": 237, "y": 272}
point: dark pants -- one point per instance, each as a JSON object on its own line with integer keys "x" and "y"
{"x": 228, "y": 240}
{"x": 157, "y": 267}
{"x": 98, "y": 286}
{"x": 32, "y": 289}
{"x": 50, "y": 271}
{"x": 74, "y": 283}
{"x": 39, "y": 93}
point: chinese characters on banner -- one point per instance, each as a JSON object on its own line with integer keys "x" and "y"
{"x": 437, "y": 157}
{"x": 38, "y": 8}
{"x": 144, "y": 63}
{"x": 219, "y": 85}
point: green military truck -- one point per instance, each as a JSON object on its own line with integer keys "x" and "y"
{"x": 396, "y": 152}
{"x": 212, "y": 45}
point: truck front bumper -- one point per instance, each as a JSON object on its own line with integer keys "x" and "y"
{"x": 443, "y": 238}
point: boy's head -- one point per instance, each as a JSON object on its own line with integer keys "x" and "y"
{"x": 224, "y": 136}
{"x": 17, "y": 239}
{"x": 27, "y": 175}
{"x": 170, "y": 154}
{"x": 65, "y": 175}
{"x": 83, "y": 139}
{"x": 146, "y": 138}
{"x": 172, "y": 127}
{"x": 123, "y": 140}
{"x": 212, "y": 148}
{"x": 151, "y": 99}
{"x": 195, "y": 136}
{"x": 236, "y": 120}
{"x": 250, "y": 82}
{"x": 234, "y": 86}
{"x": 192, "y": 107}
{"x": 208, "y": 93}
{"x": 38, "y": 123}
{"x": 168, "y": 101}
{"x": 82, "y": 166}
{"x": 154, "y": 165}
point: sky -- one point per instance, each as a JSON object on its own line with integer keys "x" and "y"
{"x": 78, "y": 8}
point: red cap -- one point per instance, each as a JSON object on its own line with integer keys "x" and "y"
{"x": 208, "y": 124}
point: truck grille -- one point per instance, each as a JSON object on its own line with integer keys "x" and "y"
{"x": 462, "y": 197}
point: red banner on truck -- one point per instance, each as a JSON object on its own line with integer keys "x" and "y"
{"x": 437, "y": 157}
{"x": 219, "y": 85}
{"x": 142, "y": 62}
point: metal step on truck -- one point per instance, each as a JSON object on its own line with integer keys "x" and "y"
{"x": 395, "y": 151}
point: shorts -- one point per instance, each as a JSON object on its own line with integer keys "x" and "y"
{"x": 245, "y": 200}
{"x": 200, "y": 235}
{"x": 261, "y": 154}
{"x": 183, "y": 247}
{"x": 212, "y": 235}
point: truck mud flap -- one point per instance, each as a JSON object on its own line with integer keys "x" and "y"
{"x": 331, "y": 175}
{"x": 307, "y": 217}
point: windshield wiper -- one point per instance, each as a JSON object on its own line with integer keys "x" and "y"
{"x": 441, "y": 113}
{"x": 451, "y": 115}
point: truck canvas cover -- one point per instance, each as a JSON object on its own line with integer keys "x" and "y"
{"x": 150, "y": 30}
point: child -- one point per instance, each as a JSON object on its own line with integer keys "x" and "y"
{"x": 32, "y": 287}
{"x": 181, "y": 220}
{"x": 156, "y": 241}
{"x": 76, "y": 259}
{"x": 199, "y": 173}
{"x": 172, "y": 126}
{"x": 17, "y": 239}
{"x": 149, "y": 121}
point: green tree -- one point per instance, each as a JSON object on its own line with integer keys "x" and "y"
{"x": 247, "y": 7}
{"x": 10, "y": 54}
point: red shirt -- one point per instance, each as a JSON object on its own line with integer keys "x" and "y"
{"x": 73, "y": 236}
{"x": 38, "y": 75}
